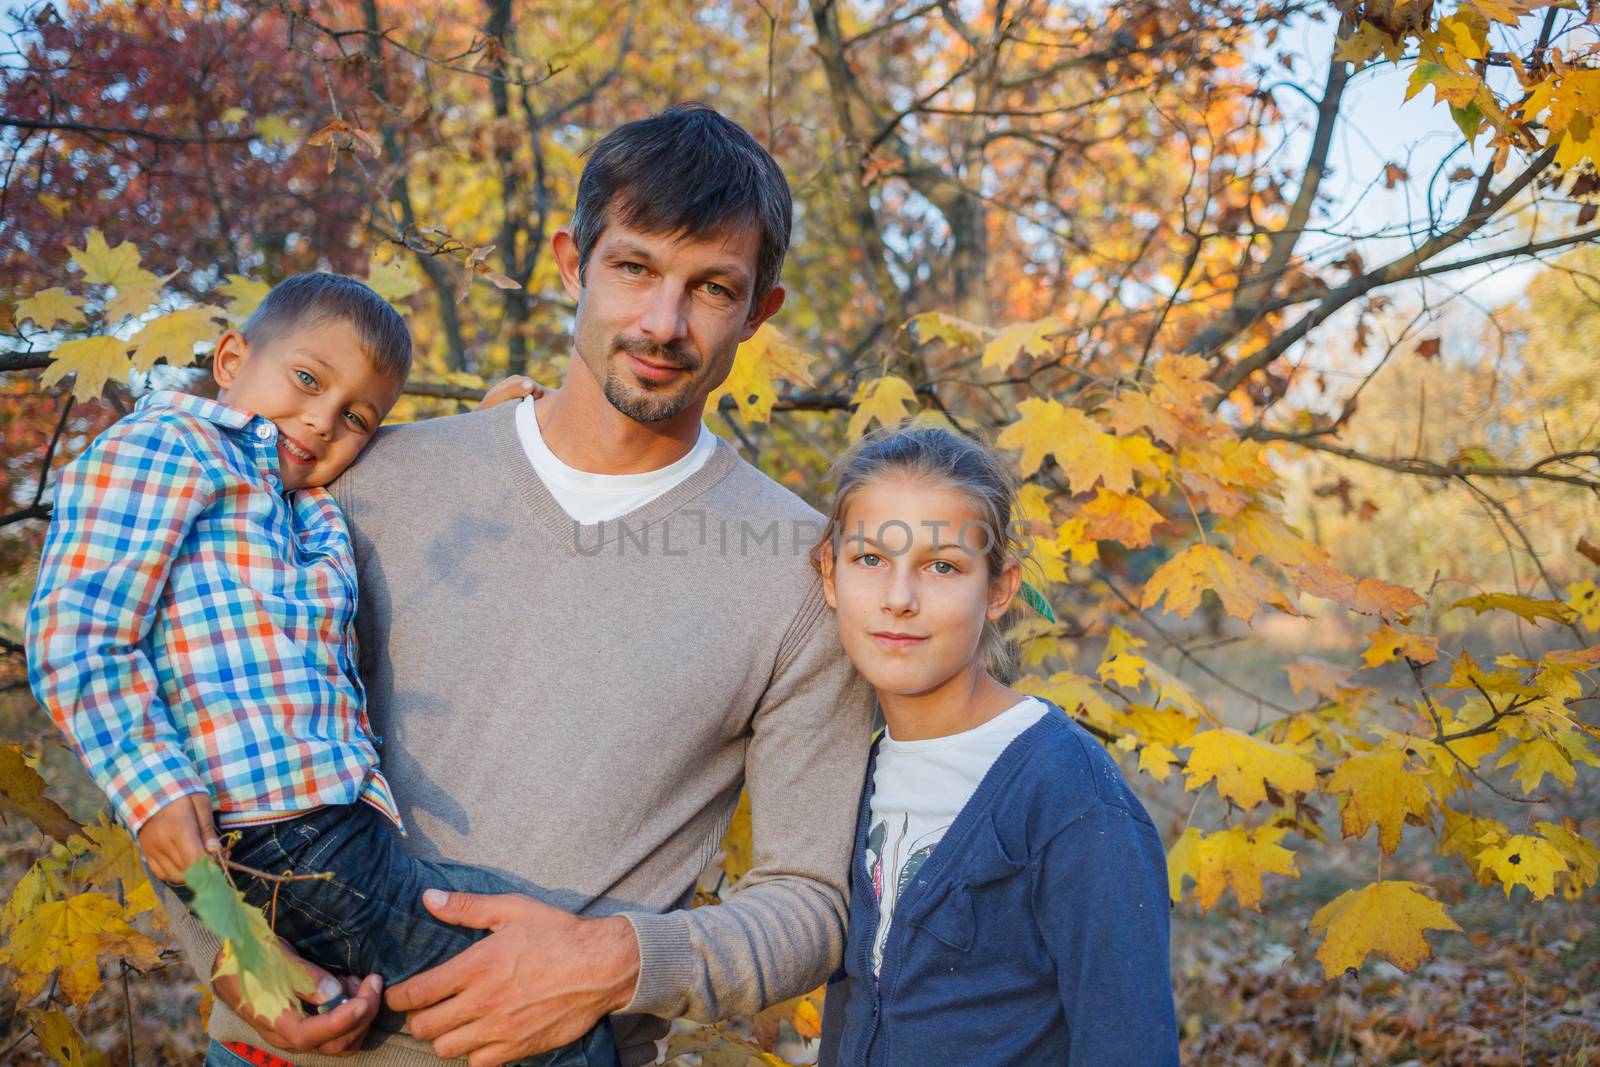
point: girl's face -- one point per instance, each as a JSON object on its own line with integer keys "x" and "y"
{"x": 910, "y": 583}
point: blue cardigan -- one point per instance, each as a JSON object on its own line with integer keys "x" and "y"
{"x": 1036, "y": 933}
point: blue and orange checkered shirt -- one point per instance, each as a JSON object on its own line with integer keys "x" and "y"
{"x": 192, "y": 628}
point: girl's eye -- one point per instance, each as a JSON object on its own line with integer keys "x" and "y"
{"x": 306, "y": 379}
{"x": 871, "y": 559}
{"x": 949, "y": 568}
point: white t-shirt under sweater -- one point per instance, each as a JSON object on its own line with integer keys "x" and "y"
{"x": 592, "y": 498}
{"x": 918, "y": 789}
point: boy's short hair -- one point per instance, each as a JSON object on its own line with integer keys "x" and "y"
{"x": 307, "y": 299}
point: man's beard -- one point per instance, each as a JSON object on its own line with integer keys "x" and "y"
{"x": 647, "y": 404}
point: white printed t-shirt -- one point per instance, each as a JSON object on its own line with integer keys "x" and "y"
{"x": 591, "y": 498}
{"x": 918, "y": 789}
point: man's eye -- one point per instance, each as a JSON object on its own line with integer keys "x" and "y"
{"x": 634, "y": 269}
{"x": 716, "y": 290}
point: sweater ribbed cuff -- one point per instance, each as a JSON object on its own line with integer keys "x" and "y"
{"x": 666, "y": 964}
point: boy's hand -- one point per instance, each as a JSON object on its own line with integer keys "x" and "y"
{"x": 513, "y": 388}
{"x": 177, "y": 835}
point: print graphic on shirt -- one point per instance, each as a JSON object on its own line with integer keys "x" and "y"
{"x": 904, "y": 859}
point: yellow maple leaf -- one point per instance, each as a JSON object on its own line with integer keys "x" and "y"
{"x": 1388, "y": 645}
{"x": 1131, "y": 410}
{"x": 1523, "y": 859}
{"x": 22, "y": 792}
{"x": 1581, "y": 855}
{"x": 884, "y": 400}
{"x": 1584, "y": 599}
{"x": 1234, "y": 857}
{"x": 1244, "y": 766}
{"x": 1382, "y": 792}
{"x": 1127, "y": 520}
{"x": 1183, "y": 578}
{"x": 1537, "y": 758}
{"x": 94, "y": 360}
{"x": 132, "y": 300}
{"x": 395, "y": 279}
{"x": 48, "y": 307}
{"x": 1386, "y": 918}
{"x": 117, "y": 266}
{"x": 112, "y": 857}
{"x": 67, "y": 938}
{"x": 738, "y": 848}
{"x": 1121, "y": 665}
{"x": 31, "y": 890}
{"x": 172, "y": 338}
{"x": 933, "y": 326}
{"x": 1525, "y": 607}
{"x": 1022, "y": 339}
{"x": 759, "y": 364}
{"x": 1078, "y": 696}
{"x": 1041, "y": 427}
{"x": 60, "y": 1040}
{"x": 243, "y": 294}
{"x": 1466, "y": 835}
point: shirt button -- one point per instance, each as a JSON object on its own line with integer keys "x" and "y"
{"x": 264, "y": 432}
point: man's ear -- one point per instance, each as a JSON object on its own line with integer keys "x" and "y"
{"x": 1003, "y": 590}
{"x": 231, "y": 353}
{"x": 761, "y": 313}
{"x": 565, "y": 249}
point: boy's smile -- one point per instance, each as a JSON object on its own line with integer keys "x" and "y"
{"x": 317, "y": 386}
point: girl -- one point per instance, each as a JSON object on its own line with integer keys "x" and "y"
{"x": 1008, "y": 892}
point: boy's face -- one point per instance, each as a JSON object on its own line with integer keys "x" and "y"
{"x": 317, "y": 386}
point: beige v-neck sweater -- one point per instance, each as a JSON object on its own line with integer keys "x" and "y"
{"x": 577, "y": 708}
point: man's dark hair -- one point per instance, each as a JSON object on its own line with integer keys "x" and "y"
{"x": 687, "y": 171}
{"x": 308, "y": 299}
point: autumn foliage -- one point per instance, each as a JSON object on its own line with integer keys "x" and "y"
{"x": 1108, "y": 240}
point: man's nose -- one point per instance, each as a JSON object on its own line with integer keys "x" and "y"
{"x": 662, "y": 319}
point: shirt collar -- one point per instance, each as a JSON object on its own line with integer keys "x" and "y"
{"x": 198, "y": 406}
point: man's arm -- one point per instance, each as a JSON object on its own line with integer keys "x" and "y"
{"x": 782, "y": 932}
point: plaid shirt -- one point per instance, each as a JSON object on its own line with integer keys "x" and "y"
{"x": 192, "y": 630}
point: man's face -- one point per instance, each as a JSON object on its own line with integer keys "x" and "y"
{"x": 317, "y": 386}
{"x": 660, "y": 317}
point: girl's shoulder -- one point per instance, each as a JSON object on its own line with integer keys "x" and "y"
{"x": 1065, "y": 776}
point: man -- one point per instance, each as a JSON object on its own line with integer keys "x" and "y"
{"x": 586, "y": 623}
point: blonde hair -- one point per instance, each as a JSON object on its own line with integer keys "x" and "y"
{"x": 963, "y": 464}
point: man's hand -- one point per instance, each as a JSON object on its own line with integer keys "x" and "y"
{"x": 513, "y": 388}
{"x": 177, "y": 835}
{"x": 541, "y": 980}
{"x": 338, "y": 1033}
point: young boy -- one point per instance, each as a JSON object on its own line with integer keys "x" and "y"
{"x": 192, "y": 634}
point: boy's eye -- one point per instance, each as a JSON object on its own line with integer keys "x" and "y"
{"x": 306, "y": 378}
{"x": 357, "y": 421}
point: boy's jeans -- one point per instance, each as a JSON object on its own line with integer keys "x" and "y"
{"x": 368, "y": 917}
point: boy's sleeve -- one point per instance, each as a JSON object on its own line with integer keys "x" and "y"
{"x": 782, "y": 932}
{"x": 122, "y": 511}
{"x": 1102, "y": 908}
